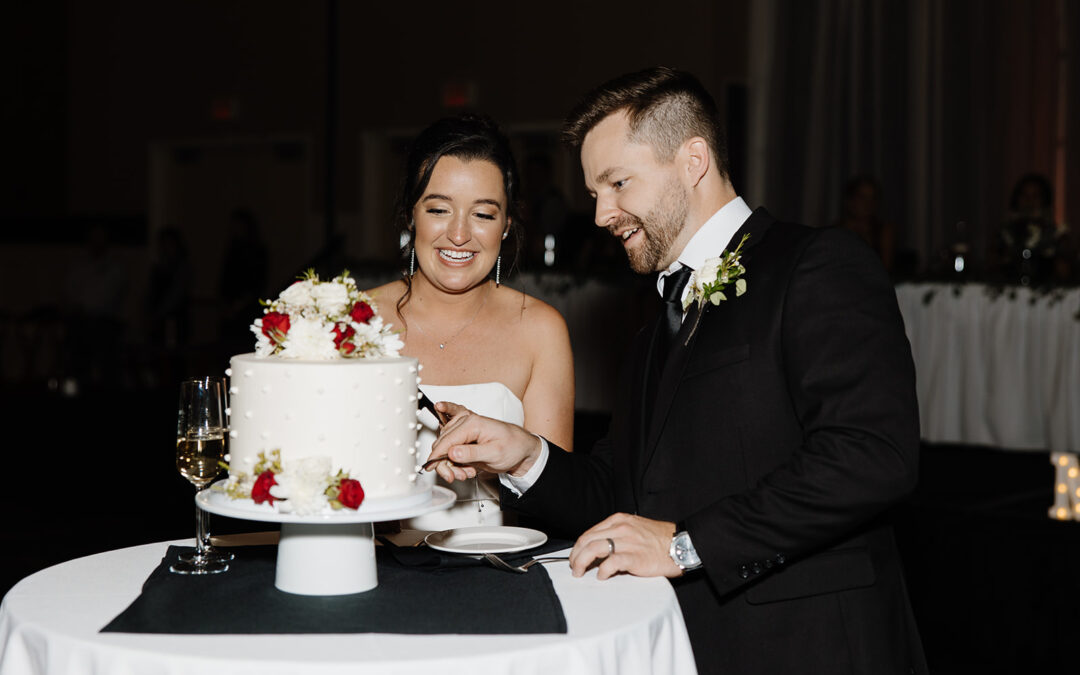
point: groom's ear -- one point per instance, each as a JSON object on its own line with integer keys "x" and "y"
{"x": 696, "y": 160}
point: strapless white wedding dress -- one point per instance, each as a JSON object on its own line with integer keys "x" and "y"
{"x": 477, "y": 501}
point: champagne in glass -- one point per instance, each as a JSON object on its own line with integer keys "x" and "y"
{"x": 200, "y": 446}
{"x": 198, "y": 457}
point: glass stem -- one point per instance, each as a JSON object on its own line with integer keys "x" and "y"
{"x": 205, "y": 515}
{"x": 200, "y": 531}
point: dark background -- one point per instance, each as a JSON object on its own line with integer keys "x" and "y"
{"x": 127, "y": 118}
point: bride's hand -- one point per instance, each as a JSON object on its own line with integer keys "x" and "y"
{"x": 473, "y": 442}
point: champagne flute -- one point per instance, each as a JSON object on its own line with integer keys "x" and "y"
{"x": 200, "y": 447}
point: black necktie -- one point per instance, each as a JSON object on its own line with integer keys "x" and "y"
{"x": 673, "y": 309}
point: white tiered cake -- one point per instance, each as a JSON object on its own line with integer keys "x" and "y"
{"x": 361, "y": 413}
{"x": 323, "y": 415}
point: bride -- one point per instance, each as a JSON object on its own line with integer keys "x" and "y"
{"x": 481, "y": 344}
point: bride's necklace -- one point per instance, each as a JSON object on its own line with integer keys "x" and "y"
{"x": 443, "y": 343}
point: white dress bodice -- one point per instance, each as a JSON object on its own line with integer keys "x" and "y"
{"x": 478, "y": 501}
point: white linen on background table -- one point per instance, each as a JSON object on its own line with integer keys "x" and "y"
{"x": 993, "y": 369}
{"x": 49, "y": 624}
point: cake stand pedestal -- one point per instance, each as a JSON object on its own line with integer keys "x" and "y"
{"x": 332, "y": 554}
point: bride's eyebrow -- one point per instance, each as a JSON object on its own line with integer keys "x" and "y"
{"x": 435, "y": 196}
{"x": 493, "y": 202}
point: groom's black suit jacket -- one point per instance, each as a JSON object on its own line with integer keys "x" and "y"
{"x": 783, "y": 428}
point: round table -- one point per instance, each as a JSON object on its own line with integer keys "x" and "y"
{"x": 49, "y": 623}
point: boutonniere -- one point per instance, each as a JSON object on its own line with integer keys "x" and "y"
{"x": 716, "y": 274}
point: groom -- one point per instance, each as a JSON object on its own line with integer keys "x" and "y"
{"x": 757, "y": 442}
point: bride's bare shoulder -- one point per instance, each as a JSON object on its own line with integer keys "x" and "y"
{"x": 531, "y": 313}
{"x": 387, "y": 295}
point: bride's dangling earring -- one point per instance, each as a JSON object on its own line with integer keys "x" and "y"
{"x": 412, "y": 261}
{"x": 498, "y": 263}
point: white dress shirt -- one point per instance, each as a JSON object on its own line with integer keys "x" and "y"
{"x": 708, "y": 242}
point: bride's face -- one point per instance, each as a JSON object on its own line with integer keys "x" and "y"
{"x": 460, "y": 220}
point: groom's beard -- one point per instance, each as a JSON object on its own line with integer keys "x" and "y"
{"x": 659, "y": 229}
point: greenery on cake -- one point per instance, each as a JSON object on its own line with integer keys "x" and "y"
{"x": 302, "y": 487}
{"x": 319, "y": 320}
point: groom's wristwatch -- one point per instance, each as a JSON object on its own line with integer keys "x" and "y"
{"x": 682, "y": 551}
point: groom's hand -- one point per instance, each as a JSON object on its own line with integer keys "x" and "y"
{"x": 473, "y": 442}
{"x": 640, "y": 547}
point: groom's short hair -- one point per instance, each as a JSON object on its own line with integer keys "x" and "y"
{"x": 665, "y": 107}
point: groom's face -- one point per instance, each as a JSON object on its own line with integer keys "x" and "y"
{"x": 638, "y": 199}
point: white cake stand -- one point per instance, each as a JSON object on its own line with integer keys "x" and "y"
{"x": 332, "y": 554}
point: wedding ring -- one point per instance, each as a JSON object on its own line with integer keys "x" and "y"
{"x": 610, "y": 546}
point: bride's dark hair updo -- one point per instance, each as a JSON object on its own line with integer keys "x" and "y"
{"x": 467, "y": 137}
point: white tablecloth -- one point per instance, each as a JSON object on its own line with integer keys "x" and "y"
{"x": 49, "y": 623}
{"x": 996, "y": 367}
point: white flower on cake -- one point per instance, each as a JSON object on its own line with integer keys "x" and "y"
{"x": 331, "y": 299}
{"x": 321, "y": 320}
{"x": 299, "y": 294}
{"x": 302, "y": 486}
{"x": 310, "y": 339}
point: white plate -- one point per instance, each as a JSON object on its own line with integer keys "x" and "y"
{"x": 485, "y": 539}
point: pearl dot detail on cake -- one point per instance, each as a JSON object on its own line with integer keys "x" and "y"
{"x": 397, "y": 411}
{"x": 412, "y": 477}
{"x": 411, "y": 398}
{"x": 232, "y": 434}
{"x": 228, "y": 372}
{"x": 234, "y": 390}
{"x": 265, "y": 389}
{"x": 248, "y": 414}
{"x": 411, "y": 369}
{"x": 381, "y": 427}
{"x": 398, "y": 381}
{"x": 380, "y": 398}
{"x": 412, "y": 451}
{"x": 397, "y": 471}
{"x": 264, "y": 435}
{"x": 248, "y": 373}
{"x": 228, "y": 412}
{"x": 382, "y": 456}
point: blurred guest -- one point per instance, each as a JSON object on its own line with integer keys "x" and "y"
{"x": 1034, "y": 249}
{"x": 96, "y": 288}
{"x": 242, "y": 281}
{"x": 862, "y": 197}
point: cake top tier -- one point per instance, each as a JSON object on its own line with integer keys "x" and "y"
{"x": 315, "y": 320}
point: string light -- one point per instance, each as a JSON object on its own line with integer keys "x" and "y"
{"x": 1066, "y": 486}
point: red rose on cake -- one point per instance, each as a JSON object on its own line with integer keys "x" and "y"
{"x": 275, "y": 326}
{"x": 361, "y": 312}
{"x": 260, "y": 492}
{"x": 350, "y": 493}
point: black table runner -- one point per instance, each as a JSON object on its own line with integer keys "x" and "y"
{"x": 420, "y": 591}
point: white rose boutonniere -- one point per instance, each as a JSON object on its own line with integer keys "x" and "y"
{"x": 716, "y": 274}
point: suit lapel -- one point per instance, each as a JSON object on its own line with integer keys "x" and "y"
{"x": 669, "y": 381}
{"x": 755, "y": 226}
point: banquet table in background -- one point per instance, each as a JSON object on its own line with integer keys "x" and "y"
{"x": 996, "y": 366}
{"x": 50, "y": 622}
